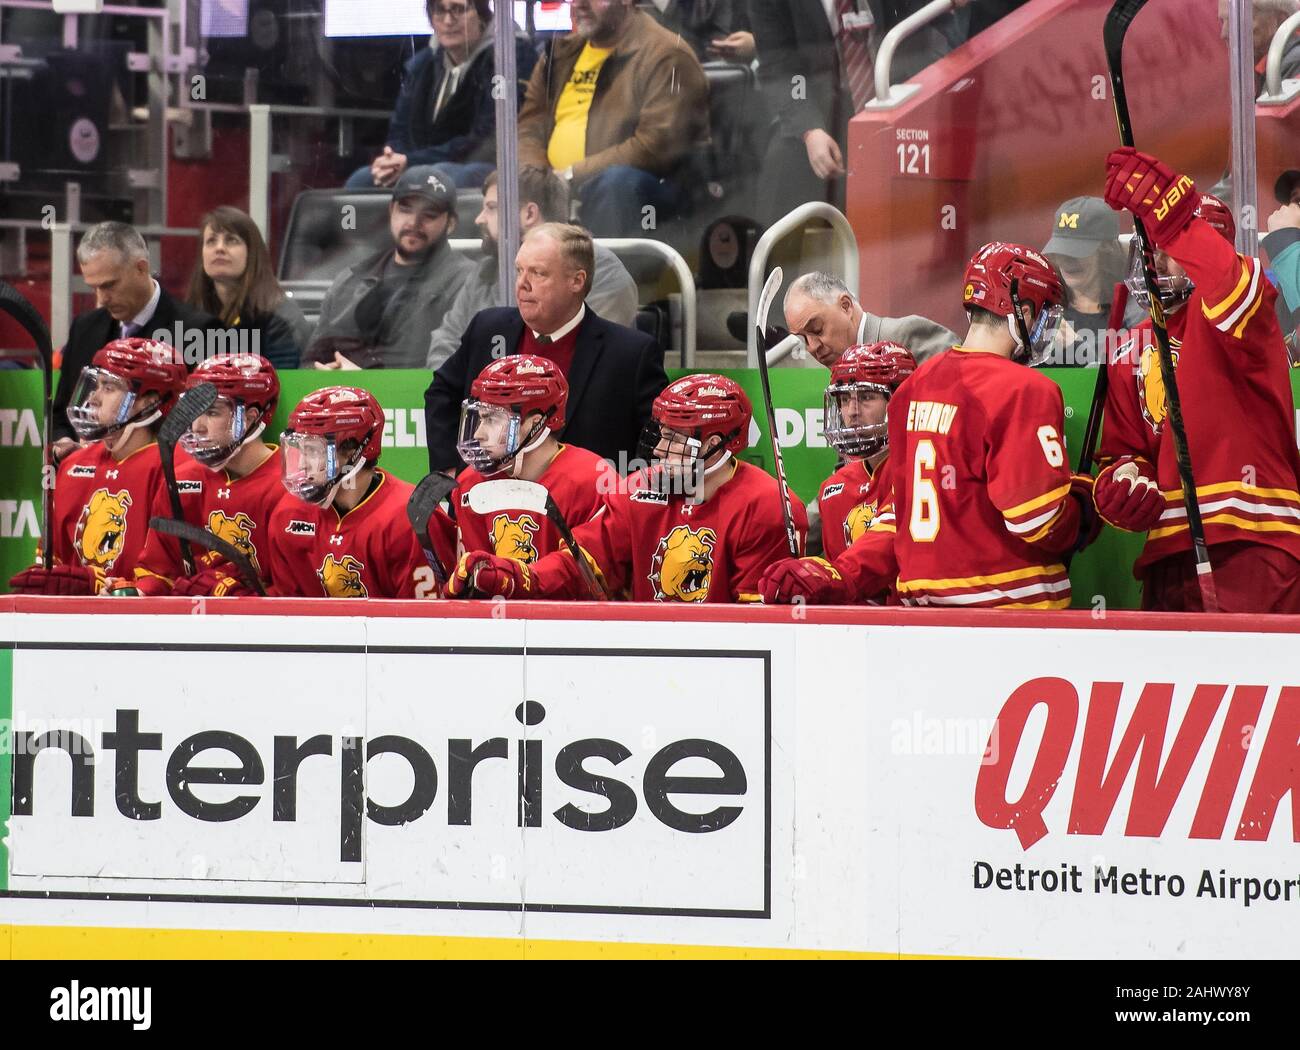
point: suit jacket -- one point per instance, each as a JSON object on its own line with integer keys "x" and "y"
{"x": 794, "y": 38}
{"x": 616, "y": 374}
{"x": 92, "y": 330}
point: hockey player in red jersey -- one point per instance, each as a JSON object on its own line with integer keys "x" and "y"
{"x": 104, "y": 490}
{"x": 344, "y": 532}
{"x": 230, "y": 486}
{"x": 862, "y": 382}
{"x": 508, "y": 427}
{"x": 697, "y": 526}
{"x": 985, "y": 504}
{"x": 1234, "y": 384}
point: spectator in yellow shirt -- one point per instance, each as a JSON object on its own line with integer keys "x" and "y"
{"x": 614, "y": 108}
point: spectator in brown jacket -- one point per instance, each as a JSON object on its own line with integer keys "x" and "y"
{"x": 614, "y": 108}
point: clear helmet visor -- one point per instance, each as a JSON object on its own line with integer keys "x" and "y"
{"x": 490, "y": 437}
{"x": 215, "y": 437}
{"x": 101, "y": 403}
{"x": 854, "y": 421}
{"x": 312, "y": 470}
{"x": 1042, "y": 335}
{"x": 1173, "y": 291}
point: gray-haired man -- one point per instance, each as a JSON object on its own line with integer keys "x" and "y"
{"x": 114, "y": 261}
{"x": 821, "y": 308}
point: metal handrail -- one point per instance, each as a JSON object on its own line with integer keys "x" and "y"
{"x": 900, "y": 32}
{"x": 783, "y": 349}
{"x": 795, "y": 220}
{"x": 685, "y": 279}
{"x": 1273, "y": 69}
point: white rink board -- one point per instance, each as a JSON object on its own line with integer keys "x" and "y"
{"x": 830, "y": 798}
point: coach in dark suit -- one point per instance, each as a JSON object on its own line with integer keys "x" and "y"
{"x": 115, "y": 263}
{"x": 614, "y": 372}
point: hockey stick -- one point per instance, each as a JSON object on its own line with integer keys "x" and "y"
{"x": 1093, "y": 430}
{"x": 192, "y": 404}
{"x": 760, "y": 322}
{"x": 431, "y": 491}
{"x": 188, "y": 533}
{"x": 1118, "y": 19}
{"x": 490, "y": 497}
{"x": 12, "y": 303}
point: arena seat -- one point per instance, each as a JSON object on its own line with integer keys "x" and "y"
{"x": 316, "y": 244}
{"x": 1012, "y": 123}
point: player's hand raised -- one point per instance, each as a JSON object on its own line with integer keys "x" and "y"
{"x": 483, "y": 575}
{"x": 1162, "y": 198}
{"x": 1127, "y": 495}
{"x": 68, "y": 580}
{"x": 813, "y": 581}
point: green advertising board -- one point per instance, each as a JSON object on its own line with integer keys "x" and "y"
{"x": 1102, "y": 574}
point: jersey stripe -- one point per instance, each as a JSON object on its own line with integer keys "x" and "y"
{"x": 1211, "y": 312}
{"x": 1036, "y": 502}
{"x": 1041, "y": 571}
{"x": 1252, "y": 295}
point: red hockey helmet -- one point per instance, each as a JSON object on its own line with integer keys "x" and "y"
{"x": 1000, "y": 277}
{"x": 701, "y": 406}
{"x": 315, "y": 464}
{"x": 245, "y": 378}
{"x": 865, "y": 373}
{"x": 525, "y": 383}
{"x": 881, "y": 365}
{"x": 109, "y": 390}
{"x": 1218, "y": 215}
{"x": 243, "y": 381}
{"x": 502, "y": 397}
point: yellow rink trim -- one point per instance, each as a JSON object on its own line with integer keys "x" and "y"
{"x": 104, "y": 942}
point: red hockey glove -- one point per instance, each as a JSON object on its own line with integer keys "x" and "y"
{"x": 483, "y": 575}
{"x": 217, "y": 582}
{"x": 1127, "y": 496}
{"x": 74, "y": 580}
{"x": 1163, "y": 199}
{"x": 813, "y": 581}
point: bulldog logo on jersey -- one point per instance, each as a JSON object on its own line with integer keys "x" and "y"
{"x": 858, "y": 521}
{"x": 236, "y": 530}
{"x": 682, "y": 568}
{"x": 341, "y": 578}
{"x": 101, "y": 529}
{"x": 513, "y": 537}
{"x": 1151, "y": 387}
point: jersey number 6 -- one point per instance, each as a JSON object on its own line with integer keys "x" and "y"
{"x": 924, "y": 523}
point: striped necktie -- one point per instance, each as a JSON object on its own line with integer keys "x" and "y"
{"x": 857, "y": 68}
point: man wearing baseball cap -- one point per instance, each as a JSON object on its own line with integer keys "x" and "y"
{"x": 1085, "y": 249}
{"x": 382, "y": 312}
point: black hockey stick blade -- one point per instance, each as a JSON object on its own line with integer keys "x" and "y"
{"x": 29, "y": 318}
{"x": 1118, "y": 20}
{"x": 187, "y": 533}
{"x": 191, "y": 404}
{"x": 432, "y": 490}
{"x": 760, "y": 322}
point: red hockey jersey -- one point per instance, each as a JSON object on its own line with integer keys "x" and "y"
{"x": 237, "y": 510}
{"x": 574, "y": 480}
{"x": 664, "y": 549}
{"x": 981, "y": 485}
{"x": 369, "y": 552}
{"x": 102, "y": 506}
{"x": 1234, "y": 384}
{"x": 849, "y": 501}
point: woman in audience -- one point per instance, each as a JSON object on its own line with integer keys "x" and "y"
{"x": 234, "y": 280}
